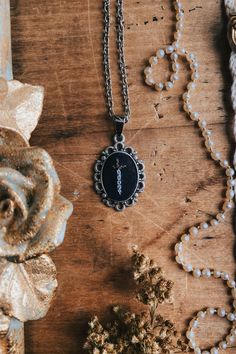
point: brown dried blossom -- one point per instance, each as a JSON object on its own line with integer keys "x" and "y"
{"x": 144, "y": 333}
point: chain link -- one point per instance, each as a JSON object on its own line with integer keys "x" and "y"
{"x": 120, "y": 119}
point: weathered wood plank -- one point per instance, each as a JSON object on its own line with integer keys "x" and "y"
{"x": 57, "y": 44}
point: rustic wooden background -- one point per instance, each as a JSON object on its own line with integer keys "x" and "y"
{"x": 57, "y": 44}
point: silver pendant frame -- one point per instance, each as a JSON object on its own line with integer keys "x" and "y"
{"x": 119, "y": 146}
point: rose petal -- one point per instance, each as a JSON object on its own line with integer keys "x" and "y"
{"x": 51, "y": 234}
{"x": 4, "y": 323}
{"x": 26, "y": 289}
{"x": 11, "y": 335}
{"x": 36, "y": 165}
{"x": 24, "y": 103}
{"x": 7, "y": 250}
{"x": 11, "y": 138}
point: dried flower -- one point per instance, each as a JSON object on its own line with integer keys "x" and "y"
{"x": 144, "y": 333}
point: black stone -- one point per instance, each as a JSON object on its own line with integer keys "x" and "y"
{"x": 119, "y": 176}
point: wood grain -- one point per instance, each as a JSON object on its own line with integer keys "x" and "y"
{"x": 57, "y": 44}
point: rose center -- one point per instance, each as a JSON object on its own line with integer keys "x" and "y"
{"x": 6, "y": 211}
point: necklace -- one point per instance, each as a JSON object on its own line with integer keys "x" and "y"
{"x": 175, "y": 52}
{"x": 119, "y": 174}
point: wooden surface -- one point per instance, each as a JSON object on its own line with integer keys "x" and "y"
{"x": 57, "y": 44}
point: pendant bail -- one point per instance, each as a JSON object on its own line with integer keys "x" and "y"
{"x": 119, "y": 124}
{"x": 119, "y": 128}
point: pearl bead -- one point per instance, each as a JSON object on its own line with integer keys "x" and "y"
{"x": 216, "y": 155}
{"x": 153, "y": 60}
{"x": 169, "y": 85}
{"x": 182, "y": 51}
{"x": 160, "y": 53}
{"x": 149, "y": 81}
{"x": 195, "y": 116}
{"x": 185, "y": 238}
{"x": 192, "y": 344}
{"x": 230, "y": 183}
{"x": 197, "y": 351}
{"x": 159, "y": 86}
{"x": 206, "y": 133}
{"x": 148, "y": 70}
{"x": 217, "y": 274}
{"x": 179, "y": 26}
{"x": 194, "y": 65}
{"x": 190, "y": 335}
{"x": 169, "y": 49}
{"x": 201, "y": 314}
{"x": 225, "y": 276}
{"x": 177, "y": 35}
{"x": 194, "y": 323}
{"x": 233, "y": 331}
{"x": 179, "y": 259}
{"x": 223, "y": 345}
{"x": 179, "y": 15}
{"x": 204, "y": 225}
{"x": 178, "y": 5}
{"x": 211, "y": 311}
{"x": 229, "y": 172}
{"x": 195, "y": 76}
{"x": 197, "y": 273}
{"x": 191, "y": 86}
{"x": 233, "y": 292}
{"x": 188, "y": 267}
{"x": 174, "y": 56}
{"x": 175, "y": 66}
{"x": 186, "y": 96}
{"x": 221, "y": 312}
{"x": 202, "y": 123}
{"x": 220, "y": 217}
{"x": 191, "y": 56}
{"x": 231, "y": 317}
{"x": 230, "y": 339}
{"x": 231, "y": 284}
{"x": 214, "y": 222}
{"x": 214, "y": 351}
{"x": 175, "y": 45}
{"x": 209, "y": 144}
{"x": 230, "y": 194}
{"x": 174, "y": 77}
{"x": 179, "y": 247}
{"x": 187, "y": 108}
{"x": 193, "y": 231}
{"x": 206, "y": 273}
{"x": 227, "y": 205}
{"x": 225, "y": 163}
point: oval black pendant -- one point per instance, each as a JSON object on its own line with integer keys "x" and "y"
{"x": 119, "y": 176}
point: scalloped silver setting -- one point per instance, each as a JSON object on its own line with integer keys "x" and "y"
{"x": 120, "y": 147}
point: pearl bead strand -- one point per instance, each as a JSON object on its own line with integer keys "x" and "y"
{"x": 169, "y": 51}
{"x": 175, "y": 52}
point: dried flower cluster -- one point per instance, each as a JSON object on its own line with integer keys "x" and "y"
{"x": 145, "y": 333}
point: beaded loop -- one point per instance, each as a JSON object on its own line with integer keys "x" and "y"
{"x": 193, "y": 232}
{"x": 148, "y": 71}
{"x": 194, "y": 324}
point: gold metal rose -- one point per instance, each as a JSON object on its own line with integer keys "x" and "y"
{"x": 33, "y": 215}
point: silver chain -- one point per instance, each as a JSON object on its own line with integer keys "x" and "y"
{"x": 118, "y": 119}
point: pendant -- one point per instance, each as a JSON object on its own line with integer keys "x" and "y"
{"x": 119, "y": 175}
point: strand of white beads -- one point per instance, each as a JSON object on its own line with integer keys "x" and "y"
{"x": 169, "y": 51}
{"x": 174, "y": 51}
